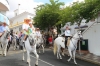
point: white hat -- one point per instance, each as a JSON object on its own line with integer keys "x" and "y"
{"x": 30, "y": 22}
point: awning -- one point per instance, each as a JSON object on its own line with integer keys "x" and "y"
{"x": 84, "y": 26}
{"x": 3, "y": 18}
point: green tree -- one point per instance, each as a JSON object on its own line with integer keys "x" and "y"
{"x": 78, "y": 11}
{"x": 47, "y": 15}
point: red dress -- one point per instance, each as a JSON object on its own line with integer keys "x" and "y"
{"x": 50, "y": 40}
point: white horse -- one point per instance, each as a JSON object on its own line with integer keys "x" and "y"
{"x": 40, "y": 43}
{"x": 30, "y": 49}
{"x": 59, "y": 42}
{"x": 4, "y": 42}
{"x": 14, "y": 43}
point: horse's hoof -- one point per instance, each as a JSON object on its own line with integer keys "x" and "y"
{"x": 4, "y": 55}
{"x": 36, "y": 65}
{"x": 75, "y": 63}
{"x": 67, "y": 60}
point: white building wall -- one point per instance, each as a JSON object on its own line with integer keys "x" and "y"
{"x": 93, "y": 36}
{"x": 19, "y": 19}
{"x": 18, "y": 11}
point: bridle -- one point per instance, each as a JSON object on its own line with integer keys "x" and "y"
{"x": 32, "y": 40}
{"x": 7, "y": 34}
{"x": 75, "y": 39}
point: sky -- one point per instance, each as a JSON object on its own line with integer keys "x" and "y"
{"x": 28, "y": 5}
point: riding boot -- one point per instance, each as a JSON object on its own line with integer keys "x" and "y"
{"x": 26, "y": 37}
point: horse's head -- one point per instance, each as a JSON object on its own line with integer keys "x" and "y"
{"x": 6, "y": 34}
{"x": 32, "y": 35}
{"x": 78, "y": 35}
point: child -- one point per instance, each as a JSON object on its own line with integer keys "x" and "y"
{"x": 50, "y": 41}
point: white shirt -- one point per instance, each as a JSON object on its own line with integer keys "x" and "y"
{"x": 25, "y": 26}
{"x": 38, "y": 33}
{"x": 55, "y": 31}
{"x": 67, "y": 33}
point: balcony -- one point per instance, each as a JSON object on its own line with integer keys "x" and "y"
{"x": 4, "y": 5}
{"x": 15, "y": 25}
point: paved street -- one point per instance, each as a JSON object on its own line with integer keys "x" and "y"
{"x": 47, "y": 59}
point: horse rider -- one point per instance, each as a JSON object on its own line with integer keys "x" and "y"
{"x": 38, "y": 33}
{"x": 4, "y": 28}
{"x": 67, "y": 34}
{"x": 25, "y": 28}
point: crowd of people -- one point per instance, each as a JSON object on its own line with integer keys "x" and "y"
{"x": 28, "y": 28}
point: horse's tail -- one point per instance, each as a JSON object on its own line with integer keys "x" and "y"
{"x": 55, "y": 48}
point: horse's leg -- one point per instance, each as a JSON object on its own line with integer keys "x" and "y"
{"x": 8, "y": 46}
{"x": 15, "y": 45}
{"x": 37, "y": 57}
{"x": 43, "y": 48}
{"x": 2, "y": 49}
{"x": 70, "y": 54}
{"x": 62, "y": 50}
{"x": 28, "y": 57}
{"x": 23, "y": 53}
{"x": 5, "y": 48}
{"x": 57, "y": 55}
{"x": 60, "y": 56}
{"x": 39, "y": 49}
{"x": 74, "y": 56}
{"x": 59, "y": 52}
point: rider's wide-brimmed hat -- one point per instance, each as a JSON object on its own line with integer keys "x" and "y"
{"x": 30, "y": 22}
{"x": 67, "y": 27}
{"x": 37, "y": 29}
{"x": 4, "y": 23}
{"x": 27, "y": 20}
